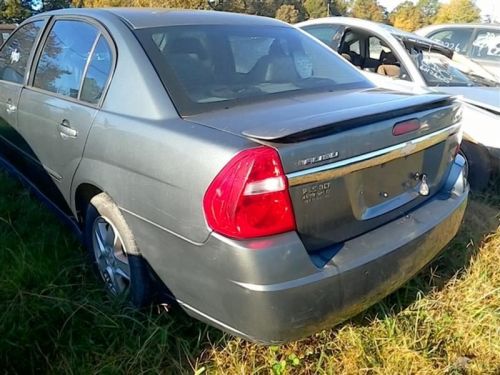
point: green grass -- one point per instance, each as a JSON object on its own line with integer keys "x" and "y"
{"x": 55, "y": 318}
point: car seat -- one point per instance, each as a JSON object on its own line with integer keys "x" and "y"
{"x": 389, "y": 65}
{"x": 276, "y": 66}
{"x": 189, "y": 59}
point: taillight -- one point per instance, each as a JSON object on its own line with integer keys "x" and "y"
{"x": 405, "y": 127}
{"x": 249, "y": 197}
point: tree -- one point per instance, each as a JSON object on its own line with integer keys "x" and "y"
{"x": 406, "y": 16}
{"x": 316, "y": 8}
{"x": 458, "y": 11}
{"x": 54, "y": 4}
{"x": 339, "y": 7}
{"x": 287, "y": 13}
{"x": 428, "y": 10}
{"x": 16, "y": 11}
{"x": 368, "y": 10}
{"x": 186, "y": 4}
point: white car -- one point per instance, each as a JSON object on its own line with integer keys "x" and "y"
{"x": 480, "y": 43}
{"x": 405, "y": 61}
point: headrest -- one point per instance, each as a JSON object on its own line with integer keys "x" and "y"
{"x": 187, "y": 46}
{"x": 275, "y": 49}
{"x": 388, "y": 58}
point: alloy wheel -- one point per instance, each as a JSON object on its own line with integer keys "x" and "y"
{"x": 110, "y": 256}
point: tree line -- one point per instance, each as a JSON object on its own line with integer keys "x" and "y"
{"x": 408, "y": 15}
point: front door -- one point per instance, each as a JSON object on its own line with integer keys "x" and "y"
{"x": 57, "y": 110}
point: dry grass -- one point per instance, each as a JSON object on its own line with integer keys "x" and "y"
{"x": 452, "y": 326}
{"x": 55, "y": 318}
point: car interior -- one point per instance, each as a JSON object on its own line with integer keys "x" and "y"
{"x": 368, "y": 52}
{"x": 193, "y": 60}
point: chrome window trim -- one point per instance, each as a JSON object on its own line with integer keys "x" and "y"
{"x": 370, "y": 159}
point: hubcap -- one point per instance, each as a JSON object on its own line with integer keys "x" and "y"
{"x": 111, "y": 256}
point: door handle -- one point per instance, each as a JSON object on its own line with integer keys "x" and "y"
{"x": 10, "y": 108}
{"x": 66, "y": 131}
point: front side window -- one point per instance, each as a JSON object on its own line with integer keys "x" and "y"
{"x": 455, "y": 39}
{"x": 486, "y": 45}
{"x": 98, "y": 72}
{"x": 15, "y": 54}
{"x": 207, "y": 67}
{"x": 64, "y": 57}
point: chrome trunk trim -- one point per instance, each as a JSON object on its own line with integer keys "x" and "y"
{"x": 371, "y": 159}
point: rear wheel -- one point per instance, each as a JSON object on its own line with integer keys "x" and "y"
{"x": 477, "y": 165}
{"x": 114, "y": 254}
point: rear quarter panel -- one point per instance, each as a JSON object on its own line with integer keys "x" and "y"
{"x": 153, "y": 164}
{"x": 157, "y": 170}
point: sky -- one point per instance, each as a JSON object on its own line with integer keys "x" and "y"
{"x": 491, "y": 7}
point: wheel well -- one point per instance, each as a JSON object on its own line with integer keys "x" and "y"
{"x": 84, "y": 193}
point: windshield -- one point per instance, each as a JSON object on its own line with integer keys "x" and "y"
{"x": 208, "y": 67}
{"x": 439, "y": 70}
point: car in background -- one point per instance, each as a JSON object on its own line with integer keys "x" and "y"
{"x": 400, "y": 56}
{"x": 480, "y": 43}
{"x": 270, "y": 186}
{"x": 5, "y": 31}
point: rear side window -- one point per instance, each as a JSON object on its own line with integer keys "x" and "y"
{"x": 486, "y": 45}
{"x": 64, "y": 57}
{"x": 14, "y": 55}
{"x": 98, "y": 72}
{"x": 455, "y": 39}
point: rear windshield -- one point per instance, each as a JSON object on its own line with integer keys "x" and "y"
{"x": 208, "y": 67}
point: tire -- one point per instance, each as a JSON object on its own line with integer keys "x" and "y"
{"x": 124, "y": 272}
{"x": 478, "y": 166}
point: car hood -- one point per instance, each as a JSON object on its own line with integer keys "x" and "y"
{"x": 484, "y": 97}
{"x": 296, "y": 116}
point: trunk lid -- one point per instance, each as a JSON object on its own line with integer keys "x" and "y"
{"x": 347, "y": 172}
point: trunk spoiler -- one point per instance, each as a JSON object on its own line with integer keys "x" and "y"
{"x": 344, "y": 121}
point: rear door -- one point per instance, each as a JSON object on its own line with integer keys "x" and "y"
{"x": 66, "y": 88}
{"x": 15, "y": 56}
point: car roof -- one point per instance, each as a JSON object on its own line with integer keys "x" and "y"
{"x": 139, "y": 18}
{"x": 379, "y": 28}
{"x": 430, "y": 28}
{"x": 468, "y": 25}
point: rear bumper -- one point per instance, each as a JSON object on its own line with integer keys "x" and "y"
{"x": 270, "y": 290}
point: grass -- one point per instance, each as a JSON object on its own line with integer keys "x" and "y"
{"x": 55, "y": 318}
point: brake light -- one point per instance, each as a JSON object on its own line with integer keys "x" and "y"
{"x": 405, "y": 127}
{"x": 249, "y": 197}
